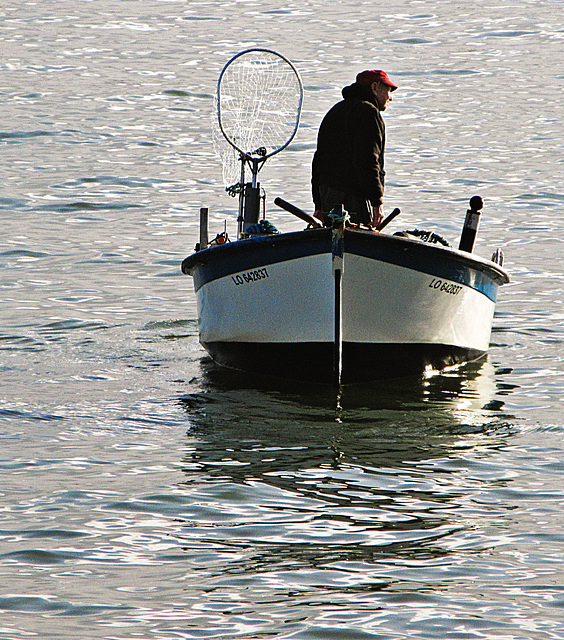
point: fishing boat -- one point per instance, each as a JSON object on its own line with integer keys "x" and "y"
{"x": 342, "y": 304}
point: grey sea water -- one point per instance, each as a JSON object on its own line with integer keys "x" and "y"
{"x": 146, "y": 495}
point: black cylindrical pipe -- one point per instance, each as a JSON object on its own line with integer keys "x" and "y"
{"x": 203, "y": 228}
{"x": 470, "y": 229}
{"x": 251, "y": 212}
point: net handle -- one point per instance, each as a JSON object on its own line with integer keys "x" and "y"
{"x": 246, "y": 154}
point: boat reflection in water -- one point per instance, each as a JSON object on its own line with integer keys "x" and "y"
{"x": 337, "y": 497}
{"x": 389, "y": 422}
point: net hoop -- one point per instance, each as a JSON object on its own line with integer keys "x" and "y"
{"x": 243, "y": 121}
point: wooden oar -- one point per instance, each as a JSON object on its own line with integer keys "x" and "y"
{"x": 300, "y": 213}
{"x": 306, "y": 217}
{"x": 387, "y": 220}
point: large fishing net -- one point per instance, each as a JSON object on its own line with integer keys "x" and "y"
{"x": 259, "y": 100}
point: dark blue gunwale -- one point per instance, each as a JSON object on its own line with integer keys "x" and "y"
{"x": 433, "y": 260}
{"x": 252, "y": 253}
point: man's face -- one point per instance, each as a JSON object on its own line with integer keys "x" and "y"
{"x": 382, "y": 93}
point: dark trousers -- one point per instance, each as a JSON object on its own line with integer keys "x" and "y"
{"x": 358, "y": 208}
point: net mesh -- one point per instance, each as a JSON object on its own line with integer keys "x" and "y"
{"x": 258, "y": 104}
{"x": 228, "y": 156}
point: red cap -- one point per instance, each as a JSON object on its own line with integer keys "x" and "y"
{"x": 375, "y": 75}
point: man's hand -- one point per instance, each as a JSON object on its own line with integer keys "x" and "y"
{"x": 377, "y": 215}
{"x": 320, "y": 215}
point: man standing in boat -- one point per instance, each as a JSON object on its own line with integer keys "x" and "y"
{"x": 348, "y": 165}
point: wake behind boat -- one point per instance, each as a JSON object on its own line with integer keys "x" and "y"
{"x": 337, "y": 305}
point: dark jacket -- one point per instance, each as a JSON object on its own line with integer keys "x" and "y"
{"x": 350, "y": 147}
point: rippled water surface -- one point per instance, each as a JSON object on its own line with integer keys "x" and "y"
{"x": 146, "y": 495}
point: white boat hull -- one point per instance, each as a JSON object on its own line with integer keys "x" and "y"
{"x": 271, "y": 305}
{"x": 386, "y": 303}
{"x": 287, "y": 301}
